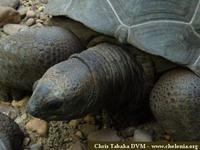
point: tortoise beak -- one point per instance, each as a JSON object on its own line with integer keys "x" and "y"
{"x": 34, "y": 106}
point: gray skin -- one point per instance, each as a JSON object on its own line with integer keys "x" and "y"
{"x": 11, "y": 136}
{"x": 175, "y": 102}
{"x": 85, "y": 83}
{"x": 26, "y": 55}
{"x": 88, "y": 82}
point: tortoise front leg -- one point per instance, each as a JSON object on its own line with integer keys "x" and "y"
{"x": 175, "y": 102}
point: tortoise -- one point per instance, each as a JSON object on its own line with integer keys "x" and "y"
{"x": 165, "y": 28}
{"x": 26, "y": 55}
{"x": 11, "y": 136}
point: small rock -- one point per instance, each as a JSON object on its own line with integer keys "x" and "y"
{"x": 73, "y": 123}
{"x": 11, "y": 29}
{"x": 167, "y": 137}
{"x": 127, "y": 132}
{"x": 88, "y": 128}
{"x": 9, "y": 3}
{"x": 9, "y": 111}
{"x": 41, "y": 8}
{"x": 38, "y": 25}
{"x": 24, "y": 116}
{"x": 20, "y": 119}
{"x": 79, "y": 134}
{"x": 2, "y": 34}
{"x": 142, "y": 136}
{"x": 39, "y": 21}
{"x": 104, "y": 135}
{"x": 26, "y": 141}
{"x": 37, "y": 125}
{"x": 8, "y": 15}
{"x": 78, "y": 146}
{"x": 21, "y": 103}
{"x": 43, "y": 16}
{"x": 30, "y": 14}
{"x": 22, "y": 11}
{"x": 89, "y": 119}
{"x": 30, "y": 22}
{"x": 44, "y": 1}
{"x": 36, "y": 146}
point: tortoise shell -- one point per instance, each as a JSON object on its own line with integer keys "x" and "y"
{"x": 168, "y": 28}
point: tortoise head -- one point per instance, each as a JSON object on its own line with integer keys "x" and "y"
{"x": 63, "y": 92}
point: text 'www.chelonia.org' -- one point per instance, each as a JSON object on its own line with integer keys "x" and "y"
{"x": 143, "y": 145}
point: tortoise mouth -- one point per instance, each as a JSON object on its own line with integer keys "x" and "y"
{"x": 48, "y": 114}
{"x": 56, "y": 117}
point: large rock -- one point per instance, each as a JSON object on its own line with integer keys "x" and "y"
{"x": 9, "y": 3}
{"x": 38, "y": 126}
{"x": 13, "y": 28}
{"x": 8, "y": 15}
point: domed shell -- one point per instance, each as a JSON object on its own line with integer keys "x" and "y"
{"x": 167, "y": 28}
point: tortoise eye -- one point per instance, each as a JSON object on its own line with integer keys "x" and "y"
{"x": 53, "y": 105}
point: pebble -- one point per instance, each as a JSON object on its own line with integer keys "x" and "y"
{"x": 37, "y": 125}
{"x": 44, "y": 1}
{"x": 30, "y": 14}
{"x": 79, "y": 134}
{"x": 142, "y": 136}
{"x": 43, "y": 17}
{"x": 22, "y": 11}
{"x": 20, "y": 119}
{"x": 9, "y": 111}
{"x": 11, "y": 29}
{"x": 41, "y": 8}
{"x": 26, "y": 141}
{"x": 21, "y": 103}
{"x": 167, "y": 137}
{"x": 127, "y": 132}
{"x": 39, "y": 21}
{"x": 78, "y": 146}
{"x": 88, "y": 128}
{"x": 30, "y": 22}
{"x": 9, "y": 3}
{"x": 104, "y": 135}
{"x": 36, "y": 146}
{"x": 89, "y": 119}
{"x": 37, "y": 25}
{"x": 73, "y": 123}
{"x": 2, "y": 34}
{"x": 8, "y": 15}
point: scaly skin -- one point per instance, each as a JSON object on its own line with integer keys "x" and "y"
{"x": 26, "y": 55}
{"x": 11, "y": 137}
{"x": 175, "y": 102}
{"x": 104, "y": 76}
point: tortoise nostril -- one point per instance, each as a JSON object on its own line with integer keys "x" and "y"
{"x": 54, "y": 105}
